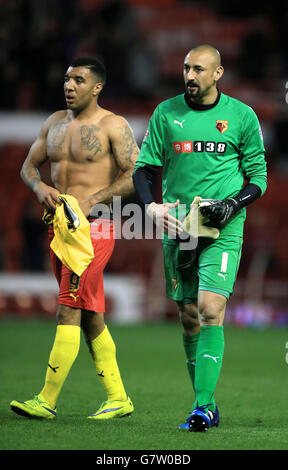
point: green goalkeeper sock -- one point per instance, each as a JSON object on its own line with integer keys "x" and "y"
{"x": 190, "y": 346}
{"x": 208, "y": 364}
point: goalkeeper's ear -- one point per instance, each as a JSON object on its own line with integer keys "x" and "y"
{"x": 194, "y": 222}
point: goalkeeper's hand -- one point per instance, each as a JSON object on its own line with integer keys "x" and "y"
{"x": 218, "y": 211}
{"x": 159, "y": 213}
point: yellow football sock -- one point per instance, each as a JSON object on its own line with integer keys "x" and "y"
{"x": 104, "y": 357}
{"x": 62, "y": 356}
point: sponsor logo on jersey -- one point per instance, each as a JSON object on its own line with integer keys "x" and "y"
{"x": 177, "y": 147}
{"x": 189, "y": 146}
{"x": 179, "y": 123}
{"x": 221, "y": 125}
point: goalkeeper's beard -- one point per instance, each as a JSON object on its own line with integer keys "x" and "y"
{"x": 196, "y": 92}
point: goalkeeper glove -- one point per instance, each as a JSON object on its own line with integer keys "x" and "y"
{"x": 219, "y": 211}
{"x": 194, "y": 225}
{"x": 194, "y": 222}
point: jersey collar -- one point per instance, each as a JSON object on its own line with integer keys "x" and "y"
{"x": 202, "y": 107}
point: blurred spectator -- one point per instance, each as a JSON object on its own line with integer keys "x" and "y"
{"x": 258, "y": 43}
{"x": 116, "y": 33}
{"x": 280, "y": 130}
{"x": 143, "y": 72}
{"x": 41, "y": 38}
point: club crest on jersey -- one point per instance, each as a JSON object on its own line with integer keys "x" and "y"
{"x": 221, "y": 125}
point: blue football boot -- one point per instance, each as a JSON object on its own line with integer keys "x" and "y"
{"x": 213, "y": 418}
{"x": 201, "y": 419}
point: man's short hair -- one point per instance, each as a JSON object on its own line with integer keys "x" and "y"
{"x": 95, "y": 65}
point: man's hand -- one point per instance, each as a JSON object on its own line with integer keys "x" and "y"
{"x": 161, "y": 217}
{"x": 47, "y": 196}
{"x": 218, "y": 211}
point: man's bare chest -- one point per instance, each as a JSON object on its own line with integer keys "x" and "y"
{"x": 80, "y": 143}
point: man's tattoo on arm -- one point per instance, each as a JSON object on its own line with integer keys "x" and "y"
{"x": 127, "y": 146}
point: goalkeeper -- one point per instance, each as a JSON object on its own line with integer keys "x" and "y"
{"x": 211, "y": 150}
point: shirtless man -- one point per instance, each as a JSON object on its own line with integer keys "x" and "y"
{"x": 92, "y": 153}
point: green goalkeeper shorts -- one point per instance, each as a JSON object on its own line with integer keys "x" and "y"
{"x": 215, "y": 268}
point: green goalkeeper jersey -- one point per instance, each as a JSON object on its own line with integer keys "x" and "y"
{"x": 205, "y": 151}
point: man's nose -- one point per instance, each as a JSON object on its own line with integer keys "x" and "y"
{"x": 191, "y": 75}
{"x": 69, "y": 85}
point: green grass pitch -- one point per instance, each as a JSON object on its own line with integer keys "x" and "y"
{"x": 251, "y": 393}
